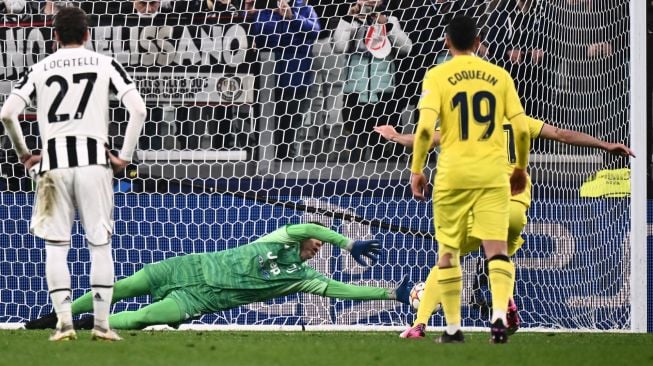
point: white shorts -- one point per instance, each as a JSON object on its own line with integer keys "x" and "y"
{"x": 60, "y": 191}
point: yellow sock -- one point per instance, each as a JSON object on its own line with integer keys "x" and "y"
{"x": 502, "y": 281}
{"x": 450, "y": 281}
{"x": 430, "y": 298}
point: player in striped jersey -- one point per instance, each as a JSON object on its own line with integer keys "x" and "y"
{"x": 272, "y": 266}
{"x": 71, "y": 90}
{"x": 519, "y": 205}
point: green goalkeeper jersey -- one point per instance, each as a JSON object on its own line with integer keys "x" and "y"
{"x": 271, "y": 262}
{"x": 267, "y": 268}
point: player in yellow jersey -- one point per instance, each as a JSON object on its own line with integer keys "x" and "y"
{"x": 519, "y": 204}
{"x": 471, "y": 97}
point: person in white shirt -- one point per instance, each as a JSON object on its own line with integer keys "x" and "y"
{"x": 13, "y": 6}
{"x": 71, "y": 90}
{"x": 372, "y": 40}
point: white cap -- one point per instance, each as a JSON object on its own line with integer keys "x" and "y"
{"x": 377, "y": 41}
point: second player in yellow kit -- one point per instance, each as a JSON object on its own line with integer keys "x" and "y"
{"x": 520, "y": 202}
{"x": 472, "y": 98}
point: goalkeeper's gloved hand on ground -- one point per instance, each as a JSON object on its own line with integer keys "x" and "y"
{"x": 365, "y": 248}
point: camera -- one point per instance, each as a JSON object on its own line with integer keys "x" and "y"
{"x": 373, "y": 6}
{"x": 366, "y": 9}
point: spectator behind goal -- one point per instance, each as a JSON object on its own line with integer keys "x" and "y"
{"x": 371, "y": 40}
{"x": 288, "y": 29}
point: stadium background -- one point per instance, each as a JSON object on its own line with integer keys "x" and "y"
{"x": 174, "y": 209}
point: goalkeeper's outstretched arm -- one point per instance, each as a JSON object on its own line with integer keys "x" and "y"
{"x": 340, "y": 290}
{"x": 357, "y": 248}
{"x": 300, "y": 232}
{"x": 345, "y": 291}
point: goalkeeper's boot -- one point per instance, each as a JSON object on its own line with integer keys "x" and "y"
{"x": 418, "y": 331}
{"x": 457, "y": 337}
{"x": 499, "y": 333}
{"x": 174, "y": 325}
{"x": 48, "y": 321}
{"x": 64, "y": 333}
{"x": 512, "y": 318}
{"x": 402, "y": 292}
{"x": 100, "y": 334}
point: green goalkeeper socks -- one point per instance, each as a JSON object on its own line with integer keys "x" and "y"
{"x": 166, "y": 311}
{"x": 132, "y": 286}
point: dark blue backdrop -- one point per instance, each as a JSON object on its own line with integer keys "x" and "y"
{"x": 570, "y": 272}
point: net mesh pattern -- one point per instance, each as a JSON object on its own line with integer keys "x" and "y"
{"x": 255, "y": 121}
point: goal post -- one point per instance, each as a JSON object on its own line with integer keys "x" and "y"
{"x": 641, "y": 317}
{"x": 236, "y": 144}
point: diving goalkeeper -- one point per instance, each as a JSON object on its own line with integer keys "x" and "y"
{"x": 272, "y": 266}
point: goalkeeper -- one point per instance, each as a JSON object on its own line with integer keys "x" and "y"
{"x": 519, "y": 204}
{"x": 272, "y": 266}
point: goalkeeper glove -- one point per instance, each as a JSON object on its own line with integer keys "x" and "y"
{"x": 402, "y": 292}
{"x": 365, "y": 248}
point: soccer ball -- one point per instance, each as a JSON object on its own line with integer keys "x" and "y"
{"x": 416, "y": 294}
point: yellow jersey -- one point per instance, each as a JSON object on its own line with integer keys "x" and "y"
{"x": 471, "y": 97}
{"x": 534, "y": 129}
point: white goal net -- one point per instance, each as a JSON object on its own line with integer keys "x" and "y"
{"x": 255, "y": 121}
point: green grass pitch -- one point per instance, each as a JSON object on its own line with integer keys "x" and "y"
{"x": 193, "y": 348}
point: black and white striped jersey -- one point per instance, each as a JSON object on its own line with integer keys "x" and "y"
{"x": 71, "y": 91}
{"x": 72, "y": 151}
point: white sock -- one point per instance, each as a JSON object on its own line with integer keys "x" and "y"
{"x": 498, "y": 314}
{"x": 452, "y": 328}
{"x": 101, "y": 282}
{"x": 58, "y": 278}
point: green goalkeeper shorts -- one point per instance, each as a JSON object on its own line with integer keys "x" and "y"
{"x": 181, "y": 279}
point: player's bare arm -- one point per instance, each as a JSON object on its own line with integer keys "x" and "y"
{"x": 29, "y": 160}
{"x": 421, "y": 145}
{"x": 582, "y": 139}
{"x": 518, "y": 181}
{"x": 419, "y": 186}
{"x": 117, "y": 164}
{"x": 405, "y": 139}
